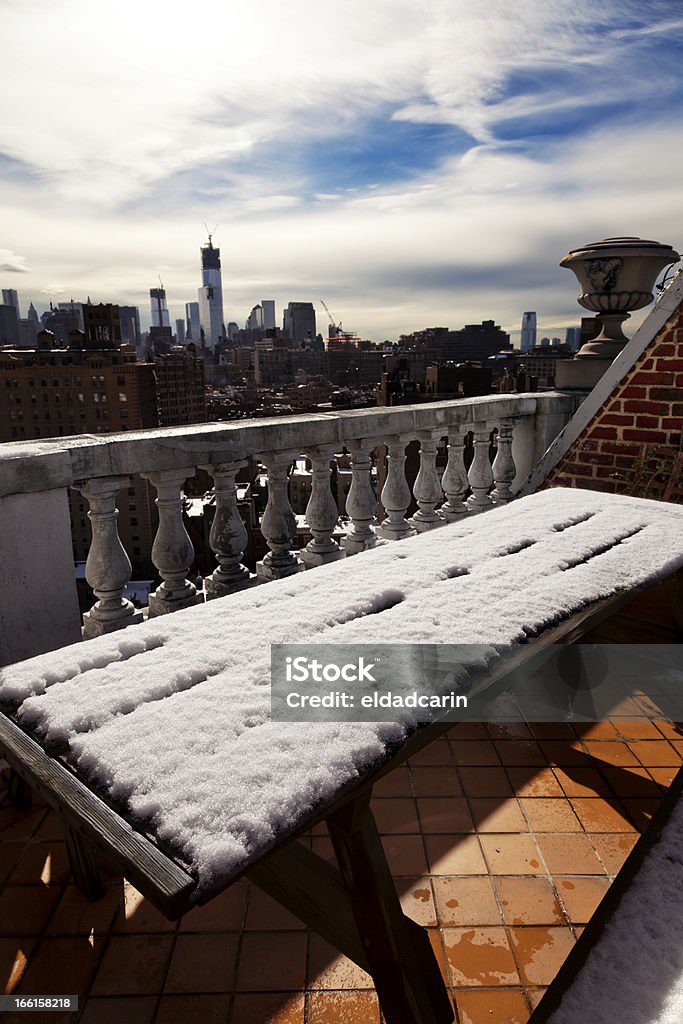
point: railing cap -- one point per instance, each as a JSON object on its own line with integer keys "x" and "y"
{"x": 28, "y": 466}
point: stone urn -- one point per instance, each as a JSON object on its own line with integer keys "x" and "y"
{"x": 616, "y": 277}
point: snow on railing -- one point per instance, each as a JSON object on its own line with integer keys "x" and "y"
{"x": 493, "y": 442}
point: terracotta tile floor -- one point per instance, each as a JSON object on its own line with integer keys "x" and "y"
{"x": 503, "y": 840}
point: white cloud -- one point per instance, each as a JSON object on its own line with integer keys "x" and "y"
{"x": 134, "y": 125}
{"x": 10, "y": 263}
{"x": 112, "y": 100}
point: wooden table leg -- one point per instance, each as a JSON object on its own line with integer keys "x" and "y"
{"x": 401, "y": 960}
{"x": 83, "y": 862}
{"x": 19, "y": 791}
{"x": 673, "y": 588}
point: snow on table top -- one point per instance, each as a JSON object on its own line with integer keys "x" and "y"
{"x": 173, "y": 717}
{"x": 634, "y": 973}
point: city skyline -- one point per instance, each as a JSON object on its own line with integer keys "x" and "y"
{"x": 262, "y": 317}
{"x": 412, "y": 167}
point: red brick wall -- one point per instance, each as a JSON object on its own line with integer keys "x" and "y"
{"x": 632, "y": 444}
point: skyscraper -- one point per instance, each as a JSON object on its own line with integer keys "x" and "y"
{"x": 9, "y": 324}
{"x": 28, "y": 328}
{"x": 528, "y": 338}
{"x": 211, "y": 295}
{"x": 572, "y": 337}
{"x": 180, "y": 330}
{"x": 299, "y": 322}
{"x": 193, "y": 332}
{"x": 75, "y": 308}
{"x": 157, "y": 301}
{"x": 268, "y": 307}
{"x": 11, "y": 298}
{"x": 130, "y": 324}
{"x": 254, "y": 321}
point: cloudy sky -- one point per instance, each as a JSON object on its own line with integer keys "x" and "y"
{"x": 411, "y": 162}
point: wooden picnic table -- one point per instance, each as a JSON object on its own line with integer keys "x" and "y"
{"x": 540, "y": 571}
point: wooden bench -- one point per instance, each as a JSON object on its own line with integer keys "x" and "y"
{"x": 122, "y": 733}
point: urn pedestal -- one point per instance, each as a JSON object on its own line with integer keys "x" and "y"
{"x": 616, "y": 277}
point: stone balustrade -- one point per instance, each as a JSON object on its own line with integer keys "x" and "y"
{"x": 505, "y": 436}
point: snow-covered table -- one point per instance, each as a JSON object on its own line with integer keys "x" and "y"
{"x": 156, "y": 742}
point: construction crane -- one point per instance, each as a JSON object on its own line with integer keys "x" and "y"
{"x": 335, "y": 332}
{"x": 210, "y": 233}
{"x": 333, "y": 322}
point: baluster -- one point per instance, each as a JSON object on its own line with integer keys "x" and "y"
{"x": 322, "y": 514}
{"x": 504, "y": 469}
{"x": 427, "y": 490}
{"x": 108, "y": 567}
{"x": 454, "y": 480}
{"x": 396, "y": 493}
{"x": 228, "y": 538}
{"x": 361, "y": 500}
{"x": 278, "y": 524}
{"x": 480, "y": 475}
{"x": 172, "y": 551}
